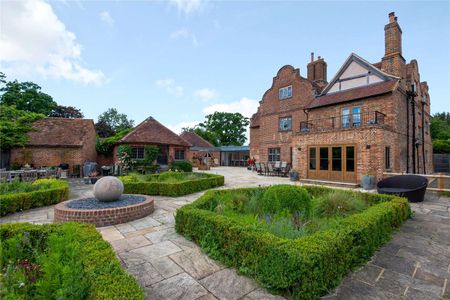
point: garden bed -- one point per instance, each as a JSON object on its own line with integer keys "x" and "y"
{"x": 299, "y": 242}
{"x": 69, "y": 261}
{"x": 171, "y": 184}
{"x": 19, "y": 196}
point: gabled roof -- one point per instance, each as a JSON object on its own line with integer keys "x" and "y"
{"x": 151, "y": 131}
{"x": 195, "y": 140}
{"x": 60, "y": 132}
{"x": 362, "y": 62}
{"x": 354, "y": 94}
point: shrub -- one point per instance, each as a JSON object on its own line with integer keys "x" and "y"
{"x": 303, "y": 268}
{"x": 172, "y": 184}
{"x": 181, "y": 165}
{"x": 42, "y": 193}
{"x": 73, "y": 260}
{"x": 286, "y": 197}
{"x": 441, "y": 146}
{"x": 338, "y": 203}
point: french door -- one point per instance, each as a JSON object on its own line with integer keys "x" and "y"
{"x": 334, "y": 163}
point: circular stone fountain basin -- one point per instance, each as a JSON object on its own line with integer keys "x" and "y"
{"x": 93, "y": 211}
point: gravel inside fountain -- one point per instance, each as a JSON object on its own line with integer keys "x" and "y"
{"x": 93, "y": 203}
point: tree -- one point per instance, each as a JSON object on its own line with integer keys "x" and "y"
{"x": 226, "y": 128}
{"x": 68, "y": 112}
{"x": 15, "y": 125}
{"x": 111, "y": 121}
{"x": 440, "y": 126}
{"x": 209, "y": 136}
{"x": 26, "y": 96}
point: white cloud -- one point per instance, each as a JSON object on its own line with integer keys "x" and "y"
{"x": 188, "y": 7}
{"x": 177, "y": 128}
{"x": 170, "y": 87}
{"x": 184, "y": 33}
{"x": 34, "y": 40}
{"x": 106, "y": 18}
{"x": 206, "y": 94}
{"x": 247, "y": 107}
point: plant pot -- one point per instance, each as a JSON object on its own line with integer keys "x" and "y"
{"x": 87, "y": 180}
{"x": 293, "y": 176}
{"x": 368, "y": 182}
{"x": 93, "y": 180}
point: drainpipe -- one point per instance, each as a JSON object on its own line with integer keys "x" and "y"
{"x": 413, "y": 109}
{"x": 423, "y": 135}
{"x": 407, "y": 133}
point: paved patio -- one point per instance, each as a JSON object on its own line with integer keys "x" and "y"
{"x": 415, "y": 264}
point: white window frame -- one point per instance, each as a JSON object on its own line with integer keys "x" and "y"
{"x": 345, "y": 117}
{"x": 137, "y": 152}
{"x": 285, "y": 92}
{"x": 177, "y": 152}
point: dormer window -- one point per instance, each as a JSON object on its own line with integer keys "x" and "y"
{"x": 285, "y": 92}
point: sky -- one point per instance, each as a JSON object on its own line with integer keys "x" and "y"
{"x": 179, "y": 60}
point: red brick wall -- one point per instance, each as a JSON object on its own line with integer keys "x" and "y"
{"x": 44, "y": 156}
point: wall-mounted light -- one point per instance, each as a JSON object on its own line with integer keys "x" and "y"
{"x": 367, "y": 146}
{"x": 299, "y": 148}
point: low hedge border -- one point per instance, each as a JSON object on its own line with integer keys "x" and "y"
{"x": 173, "y": 189}
{"x": 57, "y": 191}
{"x": 106, "y": 277}
{"x": 303, "y": 268}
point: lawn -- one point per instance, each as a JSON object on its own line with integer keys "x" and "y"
{"x": 172, "y": 184}
{"x": 296, "y": 241}
{"x": 60, "y": 261}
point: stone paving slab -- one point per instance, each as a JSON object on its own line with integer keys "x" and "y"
{"x": 415, "y": 264}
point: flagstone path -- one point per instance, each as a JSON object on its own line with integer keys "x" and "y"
{"x": 413, "y": 265}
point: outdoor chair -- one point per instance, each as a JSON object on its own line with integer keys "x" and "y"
{"x": 270, "y": 169}
{"x": 5, "y": 176}
{"x": 263, "y": 169}
{"x": 258, "y": 168}
{"x": 76, "y": 171}
{"x": 285, "y": 170}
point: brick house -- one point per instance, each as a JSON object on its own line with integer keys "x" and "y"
{"x": 54, "y": 141}
{"x": 200, "y": 148}
{"x": 151, "y": 132}
{"x": 368, "y": 119}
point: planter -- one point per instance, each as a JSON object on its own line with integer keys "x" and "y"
{"x": 368, "y": 182}
{"x": 87, "y": 180}
{"x": 293, "y": 176}
{"x": 94, "y": 180}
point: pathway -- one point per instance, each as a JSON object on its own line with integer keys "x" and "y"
{"x": 414, "y": 265}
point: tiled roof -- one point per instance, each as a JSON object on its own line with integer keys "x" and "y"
{"x": 151, "y": 131}
{"x": 377, "y": 65}
{"x": 354, "y": 94}
{"x": 195, "y": 140}
{"x": 60, "y": 132}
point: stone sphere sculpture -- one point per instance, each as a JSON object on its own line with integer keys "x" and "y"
{"x": 108, "y": 189}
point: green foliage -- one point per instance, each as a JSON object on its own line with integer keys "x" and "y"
{"x": 27, "y": 96}
{"x": 15, "y": 125}
{"x": 111, "y": 121}
{"x": 223, "y": 129}
{"x": 68, "y": 112}
{"x": 42, "y": 192}
{"x": 105, "y": 146}
{"x": 61, "y": 261}
{"x": 440, "y": 126}
{"x": 181, "y": 166}
{"x": 306, "y": 267}
{"x": 286, "y": 197}
{"x": 172, "y": 184}
{"x": 441, "y": 146}
{"x": 150, "y": 154}
{"x": 125, "y": 160}
{"x": 338, "y": 203}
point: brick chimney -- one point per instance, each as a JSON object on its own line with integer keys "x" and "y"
{"x": 317, "y": 69}
{"x": 393, "y": 61}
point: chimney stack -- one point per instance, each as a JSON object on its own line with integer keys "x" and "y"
{"x": 393, "y": 61}
{"x": 317, "y": 69}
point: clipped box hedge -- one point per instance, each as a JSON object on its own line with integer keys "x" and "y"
{"x": 55, "y": 191}
{"x": 302, "y": 268}
{"x": 100, "y": 267}
{"x": 172, "y": 189}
